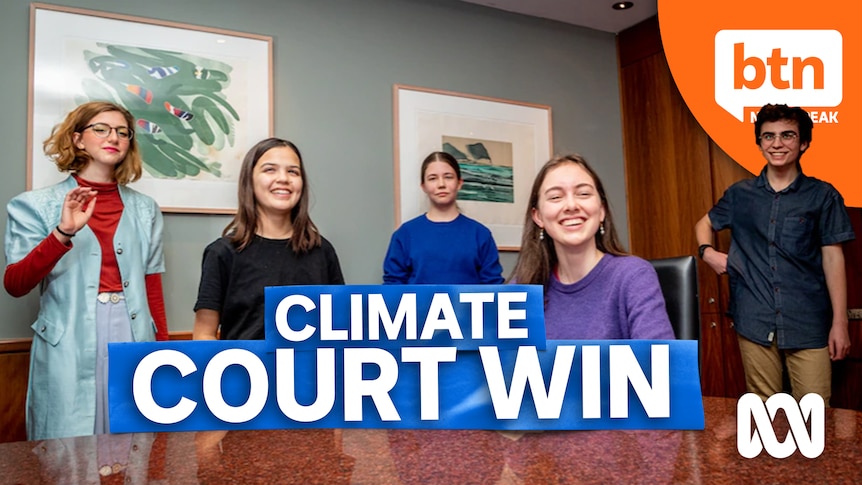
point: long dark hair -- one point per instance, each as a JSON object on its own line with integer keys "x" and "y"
{"x": 242, "y": 228}
{"x": 538, "y": 257}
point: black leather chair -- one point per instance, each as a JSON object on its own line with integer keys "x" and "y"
{"x": 678, "y": 280}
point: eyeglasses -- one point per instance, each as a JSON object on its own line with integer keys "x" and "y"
{"x": 103, "y": 130}
{"x": 786, "y": 136}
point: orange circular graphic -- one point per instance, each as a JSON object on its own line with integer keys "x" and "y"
{"x": 734, "y": 56}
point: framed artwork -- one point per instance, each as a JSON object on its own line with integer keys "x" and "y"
{"x": 499, "y": 145}
{"x": 201, "y": 97}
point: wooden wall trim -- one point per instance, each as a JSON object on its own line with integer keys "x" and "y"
{"x": 8, "y": 346}
{"x": 181, "y": 335}
{"x": 14, "y": 345}
{"x": 639, "y": 41}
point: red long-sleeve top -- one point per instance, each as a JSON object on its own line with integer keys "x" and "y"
{"x": 23, "y": 276}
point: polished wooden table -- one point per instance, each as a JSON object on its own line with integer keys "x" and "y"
{"x": 425, "y": 456}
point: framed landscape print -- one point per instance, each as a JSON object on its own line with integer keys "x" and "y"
{"x": 499, "y": 145}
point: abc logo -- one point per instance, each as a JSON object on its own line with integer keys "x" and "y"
{"x": 810, "y": 407}
{"x": 794, "y": 67}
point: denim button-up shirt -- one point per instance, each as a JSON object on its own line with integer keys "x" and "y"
{"x": 777, "y": 285}
{"x": 61, "y": 397}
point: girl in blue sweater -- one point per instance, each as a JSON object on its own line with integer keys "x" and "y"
{"x": 442, "y": 246}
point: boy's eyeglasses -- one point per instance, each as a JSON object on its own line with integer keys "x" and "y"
{"x": 786, "y": 136}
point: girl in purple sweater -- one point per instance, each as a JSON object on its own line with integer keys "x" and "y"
{"x": 593, "y": 290}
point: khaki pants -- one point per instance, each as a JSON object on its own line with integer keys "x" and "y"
{"x": 809, "y": 370}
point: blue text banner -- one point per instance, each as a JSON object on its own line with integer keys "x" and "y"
{"x": 483, "y": 364}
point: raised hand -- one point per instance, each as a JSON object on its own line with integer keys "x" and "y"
{"x": 78, "y": 206}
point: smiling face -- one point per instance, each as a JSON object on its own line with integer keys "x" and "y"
{"x": 785, "y": 147}
{"x": 569, "y": 207}
{"x": 277, "y": 181}
{"x": 105, "y": 153}
{"x": 441, "y": 184}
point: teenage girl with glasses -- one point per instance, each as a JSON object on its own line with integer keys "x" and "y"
{"x": 94, "y": 247}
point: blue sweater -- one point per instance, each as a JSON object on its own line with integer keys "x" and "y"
{"x": 459, "y": 252}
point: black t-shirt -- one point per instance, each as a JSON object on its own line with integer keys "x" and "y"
{"x": 232, "y": 282}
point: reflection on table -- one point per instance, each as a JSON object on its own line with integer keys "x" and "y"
{"x": 428, "y": 456}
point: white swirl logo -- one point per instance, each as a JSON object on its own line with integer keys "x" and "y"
{"x": 750, "y": 444}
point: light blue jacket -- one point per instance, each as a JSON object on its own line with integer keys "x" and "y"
{"x": 61, "y": 397}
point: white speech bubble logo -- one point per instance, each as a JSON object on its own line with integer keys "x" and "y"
{"x": 793, "y": 67}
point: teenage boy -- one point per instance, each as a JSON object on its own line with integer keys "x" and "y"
{"x": 788, "y": 291}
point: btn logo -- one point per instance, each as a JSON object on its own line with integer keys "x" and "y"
{"x": 811, "y": 408}
{"x": 793, "y": 67}
{"x": 737, "y": 57}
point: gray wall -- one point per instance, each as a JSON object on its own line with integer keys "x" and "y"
{"x": 335, "y": 62}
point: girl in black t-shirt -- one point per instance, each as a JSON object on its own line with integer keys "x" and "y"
{"x": 270, "y": 242}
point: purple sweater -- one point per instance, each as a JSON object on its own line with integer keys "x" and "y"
{"x": 619, "y": 299}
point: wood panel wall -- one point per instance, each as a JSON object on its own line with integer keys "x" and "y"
{"x": 671, "y": 166}
{"x": 14, "y": 372}
{"x": 847, "y": 374}
{"x": 725, "y": 171}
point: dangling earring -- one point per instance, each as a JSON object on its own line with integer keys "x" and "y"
{"x": 602, "y": 228}
{"x": 541, "y": 234}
